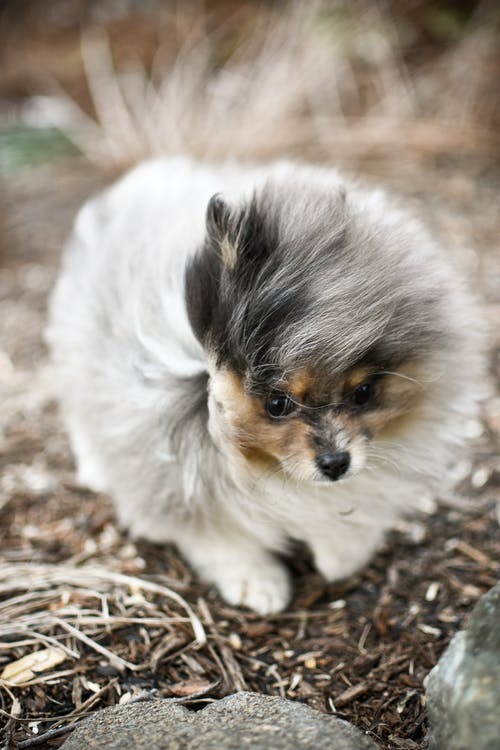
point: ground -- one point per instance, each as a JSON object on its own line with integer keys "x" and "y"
{"x": 361, "y": 650}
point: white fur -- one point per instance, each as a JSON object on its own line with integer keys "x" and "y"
{"x": 124, "y": 349}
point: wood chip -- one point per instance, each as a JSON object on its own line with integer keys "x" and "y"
{"x": 351, "y": 694}
{"x": 190, "y": 687}
{"x": 475, "y": 554}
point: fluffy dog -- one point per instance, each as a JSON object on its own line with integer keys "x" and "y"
{"x": 248, "y": 356}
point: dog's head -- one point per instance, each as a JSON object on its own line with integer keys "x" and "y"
{"x": 323, "y": 320}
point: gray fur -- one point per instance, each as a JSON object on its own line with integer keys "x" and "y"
{"x": 150, "y": 309}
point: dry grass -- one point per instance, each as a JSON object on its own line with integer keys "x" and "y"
{"x": 57, "y": 585}
{"x": 321, "y": 80}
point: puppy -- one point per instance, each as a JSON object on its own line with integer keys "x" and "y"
{"x": 248, "y": 356}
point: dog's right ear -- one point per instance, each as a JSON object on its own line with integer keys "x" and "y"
{"x": 204, "y": 270}
{"x": 223, "y": 229}
{"x": 218, "y": 217}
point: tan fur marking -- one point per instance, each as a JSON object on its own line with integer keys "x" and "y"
{"x": 268, "y": 443}
{"x": 260, "y": 439}
{"x": 310, "y": 387}
{"x": 357, "y": 377}
{"x": 399, "y": 397}
{"x": 228, "y": 252}
{"x": 301, "y": 384}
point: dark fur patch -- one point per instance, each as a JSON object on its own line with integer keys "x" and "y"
{"x": 202, "y": 284}
{"x": 222, "y": 301}
{"x": 299, "y": 269}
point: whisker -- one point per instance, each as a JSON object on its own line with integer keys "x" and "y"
{"x": 401, "y": 375}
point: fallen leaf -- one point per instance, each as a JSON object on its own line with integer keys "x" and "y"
{"x": 26, "y": 668}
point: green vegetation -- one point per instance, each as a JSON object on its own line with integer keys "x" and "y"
{"x": 27, "y": 147}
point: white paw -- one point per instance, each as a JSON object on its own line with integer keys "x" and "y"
{"x": 337, "y": 560}
{"x": 88, "y": 476}
{"x": 264, "y": 588}
{"x": 335, "y": 568}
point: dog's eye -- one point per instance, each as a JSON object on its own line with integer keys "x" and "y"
{"x": 362, "y": 394}
{"x": 279, "y": 406}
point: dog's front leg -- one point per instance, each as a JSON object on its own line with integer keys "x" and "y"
{"x": 245, "y": 573}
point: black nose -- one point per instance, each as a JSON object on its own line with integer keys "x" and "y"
{"x": 333, "y": 465}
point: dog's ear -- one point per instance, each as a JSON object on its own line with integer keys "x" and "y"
{"x": 204, "y": 270}
{"x": 218, "y": 217}
{"x": 238, "y": 234}
{"x": 223, "y": 230}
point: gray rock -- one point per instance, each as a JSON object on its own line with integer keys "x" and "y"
{"x": 463, "y": 690}
{"x": 242, "y": 720}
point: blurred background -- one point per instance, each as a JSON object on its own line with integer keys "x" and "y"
{"x": 407, "y": 92}
{"x": 381, "y": 81}
{"x": 404, "y": 93}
